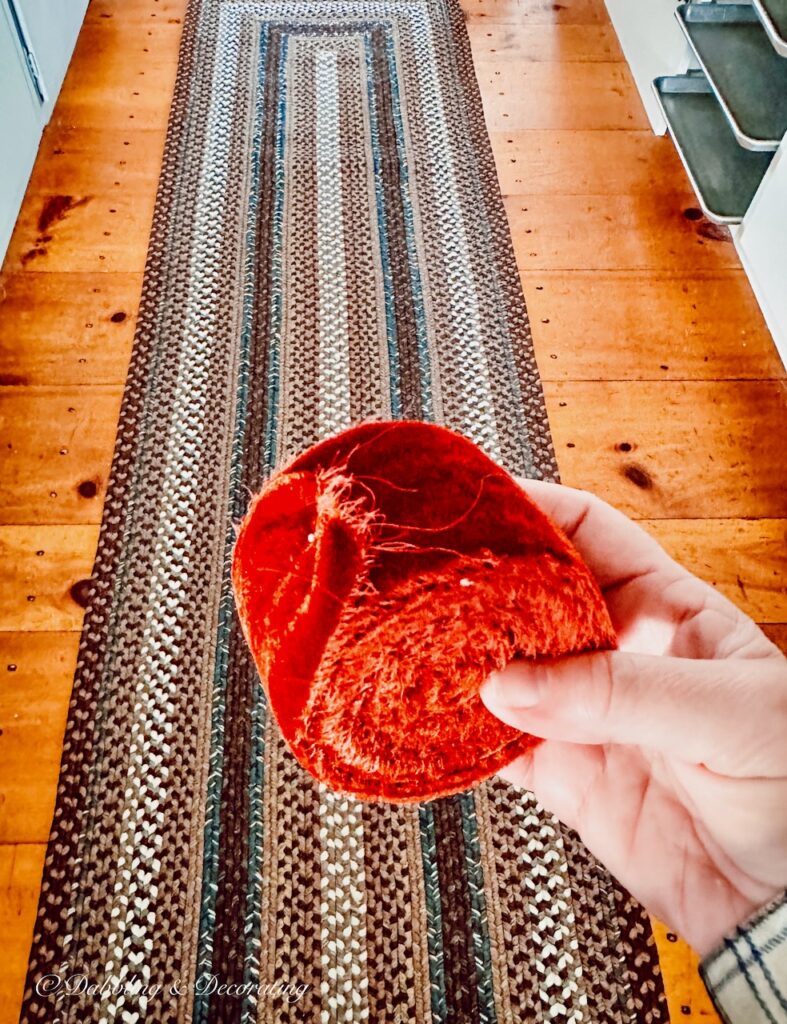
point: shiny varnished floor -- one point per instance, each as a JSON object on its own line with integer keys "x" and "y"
{"x": 664, "y": 390}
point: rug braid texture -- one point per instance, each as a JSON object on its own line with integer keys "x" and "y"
{"x": 329, "y": 246}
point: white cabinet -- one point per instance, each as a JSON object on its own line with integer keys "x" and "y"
{"x": 52, "y": 27}
{"x": 20, "y": 126}
{"x": 37, "y": 39}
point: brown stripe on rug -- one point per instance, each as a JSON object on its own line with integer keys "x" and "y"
{"x": 398, "y": 980}
{"x": 461, "y": 984}
{"x": 410, "y": 384}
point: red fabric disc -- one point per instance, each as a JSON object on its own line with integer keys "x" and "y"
{"x": 379, "y": 579}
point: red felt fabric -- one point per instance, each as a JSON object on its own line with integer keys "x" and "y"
{"x": 379, "y": 578}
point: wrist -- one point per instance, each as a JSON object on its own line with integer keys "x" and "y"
{"x": 723, "y": 921}
{"x": 746, "y": 972}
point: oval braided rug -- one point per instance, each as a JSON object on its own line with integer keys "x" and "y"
{"x": 329, "y": 246}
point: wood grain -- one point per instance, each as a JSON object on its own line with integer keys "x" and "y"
{"x": 526, "y": 41}
{"x": 43, "y": 585}
{"x": 678, "y": 449}
{"x": 555, "y": 95}
{"x": 67, "y": 329}
{"x": 123, "y": 69}
{"x": 777, "y": 634}
{"x": 90, "y": 232}
{"x": 37, "y": 672}
{"x": 134, "y": 12}
{"x": 69, "y": 293}
{"x": 57, "y": 445}
{"x": 83, "y": 161}
{"x": 686, "y": 994}
{"x": 21, "y": 867}
{"x": 641, "y": 231}
{"x": 744, "y": 559}
{"x": 537, "y": 12}
{"x": 647, "y": 325}
{"x": 545, "y": 161}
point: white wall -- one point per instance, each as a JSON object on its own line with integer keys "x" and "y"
{"x": 761, "y": 241}
{"x": 653, "y": 45}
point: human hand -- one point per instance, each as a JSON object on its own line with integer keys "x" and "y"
{"x": 669, "y": 755}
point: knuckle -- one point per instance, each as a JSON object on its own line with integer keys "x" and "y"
{"x": 596, "y": 696}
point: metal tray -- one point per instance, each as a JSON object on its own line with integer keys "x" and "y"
{"x": 773, "y": 15}
{"x": 746, "y": 73}
{"x": 723, "y": 174}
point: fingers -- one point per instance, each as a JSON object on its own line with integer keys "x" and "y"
{"x": 629, "y": 816}
{"x": 614, "y": 547}
{"x": 588, "y": 787}
{"x": 730, "y": 715}
{"x": 656, "y": 605}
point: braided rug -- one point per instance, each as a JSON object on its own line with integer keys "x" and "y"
{"x": 329, "y": 246}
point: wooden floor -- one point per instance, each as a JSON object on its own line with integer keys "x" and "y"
{"x": 664, "y": 391}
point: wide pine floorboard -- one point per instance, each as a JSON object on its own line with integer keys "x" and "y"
{"x": 664, "y": 390}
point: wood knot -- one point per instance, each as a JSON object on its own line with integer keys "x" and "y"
{"x": 80, "y": 592}
{"x": 638, "y": 476}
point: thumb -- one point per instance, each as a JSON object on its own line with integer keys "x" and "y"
{"x": 726, "y": 714}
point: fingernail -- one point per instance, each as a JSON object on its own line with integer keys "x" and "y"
{"x": 517, "y": 686}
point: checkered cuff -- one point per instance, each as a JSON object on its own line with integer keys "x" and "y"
{"x": 746, "y": 975}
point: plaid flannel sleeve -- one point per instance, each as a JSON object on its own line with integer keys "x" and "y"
{"x": 746, "y": 975}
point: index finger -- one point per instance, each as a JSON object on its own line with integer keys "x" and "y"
{"x": 615, "y": 549}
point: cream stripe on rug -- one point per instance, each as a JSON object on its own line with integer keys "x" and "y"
{"x": 343, "y": 902}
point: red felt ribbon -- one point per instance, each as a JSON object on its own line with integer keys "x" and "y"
{"x": 379, "y": 578}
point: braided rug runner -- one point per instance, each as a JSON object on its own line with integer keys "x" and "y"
{"x": 329, "y": 246}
